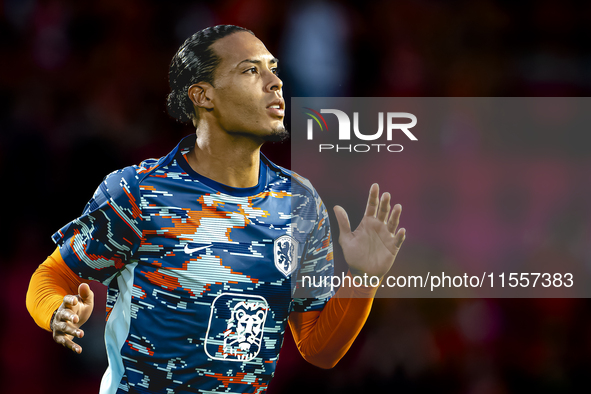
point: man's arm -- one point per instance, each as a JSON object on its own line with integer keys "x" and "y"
{"x": 54, "y": 288}
{"x": 324, "y": 337}
{"x": 95, "y": 246}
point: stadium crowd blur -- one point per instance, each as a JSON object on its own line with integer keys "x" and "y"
{"x": 82, "y": 93}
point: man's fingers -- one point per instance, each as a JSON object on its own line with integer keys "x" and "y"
{"x": 64, "y": 324}
{"x": 76, "y": 348}
{"x": 373, "y": 200}
{"x": 67, "y": 342}
{"x": 64, "y": 330}
{"x": 394, "y": 218}
{"x": 342, "y": 220}
{"x": 64, "y": 327}
{"x": 86, "y": 295}
{"x": 400, "y": 237}
{"x": 66, "y": 315}
{"x": 384, "y": 208}
{"x": 70, "y": 301}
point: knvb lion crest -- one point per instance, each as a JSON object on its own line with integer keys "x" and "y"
{"x": 236, "y": 327}
{"x": 244, "y": 334}
{"x": 285, "y": 249}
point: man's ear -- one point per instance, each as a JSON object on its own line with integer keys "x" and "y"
{"x": 201, "y": 94}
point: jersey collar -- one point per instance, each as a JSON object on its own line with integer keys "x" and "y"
{"x": 189, "y": 142}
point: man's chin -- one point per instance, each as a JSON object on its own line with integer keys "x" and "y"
{"x": 278, "y": 134}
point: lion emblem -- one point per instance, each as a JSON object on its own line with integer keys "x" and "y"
{"x": 242, "y": 338}
{"x": 285, "y": 249}
{"x": 236, "y": 327}
{"x": 285, "y": 252}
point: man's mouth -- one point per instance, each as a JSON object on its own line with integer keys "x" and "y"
{"x": 277, "y": 108}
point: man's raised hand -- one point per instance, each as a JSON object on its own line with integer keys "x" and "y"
{"x": 372, "y": 247}
{"x": 73, "y": 313}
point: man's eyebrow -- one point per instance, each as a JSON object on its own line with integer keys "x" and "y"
{"x": 272, "y": 61}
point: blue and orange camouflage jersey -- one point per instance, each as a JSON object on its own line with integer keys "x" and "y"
{"x": 201, "y": 276}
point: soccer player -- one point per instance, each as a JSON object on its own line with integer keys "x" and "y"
{"x": 203, "y": 249}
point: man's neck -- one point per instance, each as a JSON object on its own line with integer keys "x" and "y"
{"x": 232, "y": 160}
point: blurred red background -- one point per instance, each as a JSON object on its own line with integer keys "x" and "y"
{"x": 82, "y": 93}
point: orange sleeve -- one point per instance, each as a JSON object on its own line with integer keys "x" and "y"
{"x": 50, "y": 283}
{"x": 324, "y": 337}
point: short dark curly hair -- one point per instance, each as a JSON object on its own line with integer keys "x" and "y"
{"x": 194, "y": 62}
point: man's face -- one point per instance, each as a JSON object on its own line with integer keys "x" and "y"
{"x": 247, "y": 96}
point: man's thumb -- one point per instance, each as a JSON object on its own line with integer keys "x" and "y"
{"x": 85, "y": 293}
{"x": 342, "y": 220}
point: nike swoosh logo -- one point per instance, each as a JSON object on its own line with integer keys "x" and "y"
{"x": 189, "y": 250}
